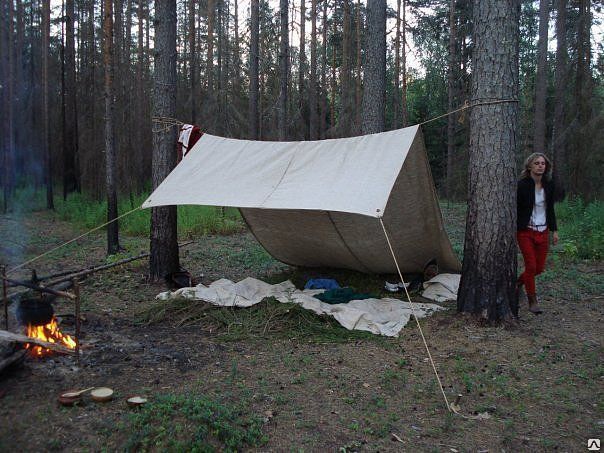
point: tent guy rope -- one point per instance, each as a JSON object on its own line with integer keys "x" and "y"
{"x": 71, "y": 240}
{"x": 411, "y": 304}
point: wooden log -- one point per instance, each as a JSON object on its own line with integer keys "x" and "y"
{"x": 11, "y": 359}
{"x": 5, "y": 335}
{"x": 42, "y": 289}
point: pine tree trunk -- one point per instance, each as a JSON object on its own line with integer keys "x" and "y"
{"x": 541, "y": 78}
{"x": 4, "y": 102}
{"x": 70, "y": 147}
{"x": 283, "y": 69}
{"x": 164, "y": 246}
{"x": 359, "y": 82}
{"x": 559, "y": 135}
{"x": 254, "y": 58}
{"x": 452, "y": 75}
{"x": 192, "y": 62}
{"x": 210, "y": 64}
{"x": 404, "y": 109}
{"x": 375, "y": 68}
{"x": 397, "y": 67}
{"x": 113, "y": 245}
{"x": 45, "y": 103}
{"x": 323, "y": 90}
{"x": 302, "y": 68}
{"x": 487, "y": 287}
{"x": 312, "y": 83}
{"x": 582, "y": 137}
{"x": 346, "y": 117}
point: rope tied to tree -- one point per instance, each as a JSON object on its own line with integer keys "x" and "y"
{"x": 166, "y": 122}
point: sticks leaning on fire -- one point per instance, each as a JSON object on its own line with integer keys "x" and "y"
{"x": 11, "y": 336}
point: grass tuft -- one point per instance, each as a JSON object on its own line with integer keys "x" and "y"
{"x": 269, "y": 318}
{"x": 199, "y": 423}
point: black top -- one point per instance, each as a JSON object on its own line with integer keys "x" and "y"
{"x": 526, "y": 201}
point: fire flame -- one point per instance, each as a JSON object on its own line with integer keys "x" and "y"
{"x": 49, "y": 333}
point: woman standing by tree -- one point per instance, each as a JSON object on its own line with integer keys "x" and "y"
{"x": 536, "y": 217}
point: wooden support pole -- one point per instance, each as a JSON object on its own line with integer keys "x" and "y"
{"x": 76, "y": 291}
{"x": 42, "y": 289}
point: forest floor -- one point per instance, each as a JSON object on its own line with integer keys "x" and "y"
{"x": 256, "y": 380}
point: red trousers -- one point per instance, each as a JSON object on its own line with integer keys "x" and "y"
{"x": 533, "y": 245}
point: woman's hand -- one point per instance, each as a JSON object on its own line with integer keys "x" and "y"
{"x": 555, "y": 238}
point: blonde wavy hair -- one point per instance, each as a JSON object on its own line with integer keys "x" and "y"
{"x": 526, "y": 171}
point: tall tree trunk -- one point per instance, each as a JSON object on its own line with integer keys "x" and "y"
{"x": 4, "y": 102}
{"x": 452, "y": 75}
{"x": 70, "y": 147}
{"x": 541, "y": 78}
{"x": 46, "y": 107}
{"x": 283, "y": 69}
{"x": 323, "y": 90}
{"x": 193, "y": 62}
{"x": 404, "y": 109}
{"x": 254, "y": 58}
{"x": 312, "y": 83}
{"x": 210, "y": 64}
{"x": 560, "y": 127}
{"x": 582, "y": 138}
{"x": 397, "y": 67}
{"x": 113, "y": 244}
{"x": 487, "y": 287}
{"x": 346, "y": 117}
{"x": 359, "y": 83}
{"x": 375, "y": 68}
{"x": 164, "y": 246}
{"x": 10, "y": 82}
{"x": 236, "y": 52}
{"x": 302, "y": 68}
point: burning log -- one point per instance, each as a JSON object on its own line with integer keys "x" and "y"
{"x": 19, "y": 338}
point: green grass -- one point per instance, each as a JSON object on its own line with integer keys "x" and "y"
{"x": 581, "y": 228}
{"x": 269, "y": 318}
{"x": 87, "y": 213}
{"x": 193, "y": 423}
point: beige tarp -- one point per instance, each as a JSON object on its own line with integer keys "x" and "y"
{"x": 317, "y": 203}
{"x": 378, "y": 316}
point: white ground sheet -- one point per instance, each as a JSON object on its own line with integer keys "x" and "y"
{"x": 442, "y": 288}
{"x": 379, "y": 316}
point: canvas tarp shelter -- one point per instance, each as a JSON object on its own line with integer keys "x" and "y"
{"x": 317, "y": 203}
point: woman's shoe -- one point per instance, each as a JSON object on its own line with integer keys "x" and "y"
{"x": 533, "y": 304}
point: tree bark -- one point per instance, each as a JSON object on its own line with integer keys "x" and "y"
{"x": 254, "y": 59}
{"x": 323, "y": 90}
{"x": 559, "y": 135}
{"x": 541, "y": 79}
{"x": 404, "y": 109}
{"x": 397, "y": 67}
{"x": 453, "y": 72}
{"x": 312, "y": 83}
{"x": 71, "y": 180}
{"x": 487, "y": 287}
{"x": 113, "y": 245}
{"x": 210, "y": 63}
{"x": 359, "y": 82}
{"x": 192, "y": 62}
{"x": 45, "y": 103}
{"x": 302, "y": 68}
{"x": 283, "y": 69}
{"x": 375, "y": 68}
{"x": 164, "y": 245}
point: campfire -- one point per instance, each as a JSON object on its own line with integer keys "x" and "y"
{"x": 50, "y": 333}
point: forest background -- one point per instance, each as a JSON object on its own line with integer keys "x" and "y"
{"x": 428, "y": 73}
